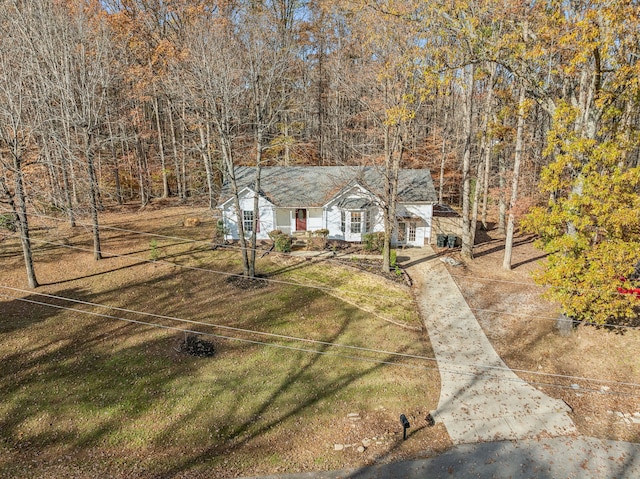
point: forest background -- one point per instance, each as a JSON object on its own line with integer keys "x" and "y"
{"x": 514, "y": 106}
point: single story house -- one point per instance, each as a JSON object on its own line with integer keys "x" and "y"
{"x": 344, "y": 200}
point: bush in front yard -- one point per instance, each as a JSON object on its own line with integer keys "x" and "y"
{"x": 373, "y": 242}
{"x": 282, "y": 242}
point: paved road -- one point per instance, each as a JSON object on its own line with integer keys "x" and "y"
{"x": 481, "y": 399}
{"x": 551, "y": 458}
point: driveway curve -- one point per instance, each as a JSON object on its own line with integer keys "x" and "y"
{"x": 481, "y": 399}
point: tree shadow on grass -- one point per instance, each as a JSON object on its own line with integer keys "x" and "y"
{"x": 19, "y": 312}
{"x": 94, "y": 275}
{"x": 295, "y": 263}
{"x": 82, "y": 386}
{"x": 416, "y": 260}
{"x": 520, "y": 241}
{"x": 530, "y": 260}
{"x": 140, "y": 262}
{"x": 79, "y": 386}
{"x": 301, "y": 382}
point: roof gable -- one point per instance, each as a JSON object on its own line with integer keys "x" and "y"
{"x": 349, "y": 191}
{"x": 245, "y": 192}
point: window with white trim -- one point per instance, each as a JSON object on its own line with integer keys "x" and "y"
{"x": 247, "y": 220}
{"x": 356, "y": 222}
{"x": 411, "y": 235}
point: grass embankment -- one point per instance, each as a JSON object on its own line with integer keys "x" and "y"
{"x": 86, "y": 395}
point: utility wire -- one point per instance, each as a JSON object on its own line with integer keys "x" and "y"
{"x": 495, "y": 280}
{"x": 292, "y": 255}
{"x": 483, "y": 377}
{"x": 547, "y": 318}
{"x": 567, "y": 320}
{"x": 323, "y": 343}
{"x": 219, "y": 326}
{"x": 323, "y": 288}
{"x": 226, "y": 273}
{"x": 156, "y": 235}
{"x": 326, "y": 289}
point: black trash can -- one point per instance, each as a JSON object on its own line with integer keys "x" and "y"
{"x": 451, "y": 241}
{"x": 441, "y": 240}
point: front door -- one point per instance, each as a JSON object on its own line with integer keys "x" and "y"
{"x": 301, "y": 220}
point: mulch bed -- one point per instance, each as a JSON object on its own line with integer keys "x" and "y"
{"x": 194, "y": 345}
{"x": 246, "y": 283}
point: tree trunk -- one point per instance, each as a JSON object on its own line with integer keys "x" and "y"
{"x": 54, "y": 183}
{"x": 502, "y": 202}
{"x": 508, "y": 246}
{"x": 486, "y": 148}
{"x": 467, "y": 245}
{"x": 116, "y": 170}
{"x": 443, "y": 159}
{"x": 254, "y": 230}
{"x": 174, "y": 147}
{"x": 393, "y": 158}
{"x": 67, "y": 192}
{"x": 476, "y": 198}
{"x": 240, "y": 218}
{"x": 144, "y": 198}
{"x": 20, "y": 213}
{"x": 227, "y": 158}
{"x": 183, "y": 163}
{"x": 206, "y": 158}
{"x": 93, "y": 195}
{"x": 485, "y": 187}
{"x": 163, "y": 165}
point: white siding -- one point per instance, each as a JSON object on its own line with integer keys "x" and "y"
{"x": 333, "y": 223}
{"x": 378, "y": 219}
{"x": 329, "y": 218}
{"x": 421, "y": 216}
{"x": 333, "y": 216}
{"x": 265, "y": 216}
{"x": 283, "y": 220}
{"x": 314, "y": 219}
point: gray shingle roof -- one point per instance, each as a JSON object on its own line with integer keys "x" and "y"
{"x": 305, "y": 186}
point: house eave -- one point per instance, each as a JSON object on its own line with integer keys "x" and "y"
{"x": 240, "y": 193}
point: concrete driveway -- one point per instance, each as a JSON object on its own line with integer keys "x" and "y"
{"x": 481, "y": 399}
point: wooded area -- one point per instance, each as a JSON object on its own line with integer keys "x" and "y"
{"x": 115, "y": 101}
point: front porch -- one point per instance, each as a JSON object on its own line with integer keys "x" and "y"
{"x": 299, "y": 221}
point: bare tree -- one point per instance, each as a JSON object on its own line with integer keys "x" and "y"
{"x": 17, "y": 129}
{"x": 78, "y": 55}
{"x": 214, "y": 84}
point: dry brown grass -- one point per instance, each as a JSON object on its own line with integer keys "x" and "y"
{"x": 90, "y": 396}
